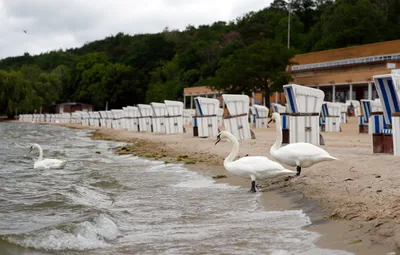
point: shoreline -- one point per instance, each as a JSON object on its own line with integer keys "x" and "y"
{"x": 343, "y": 221}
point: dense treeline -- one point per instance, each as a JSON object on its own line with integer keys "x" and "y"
{"x": 249, "y": 53}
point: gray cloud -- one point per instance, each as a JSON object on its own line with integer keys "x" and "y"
{"x": 55, "y": 24}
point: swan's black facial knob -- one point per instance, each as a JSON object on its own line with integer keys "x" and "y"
{"x": 270, "y": 121}
{"x": 218, "y": 139}
{"x": 30, "y": 149}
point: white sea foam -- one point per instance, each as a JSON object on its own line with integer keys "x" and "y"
{"x": 315, "y": 251}
{"x": 82, "y": 236}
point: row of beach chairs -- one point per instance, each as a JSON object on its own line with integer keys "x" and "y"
{"x": 304, "y": 117}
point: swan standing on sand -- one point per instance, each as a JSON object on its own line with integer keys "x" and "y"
{"x": 253, "y": 167}
{"x": 46, "y": 163}
{"x": 296, "y": 154}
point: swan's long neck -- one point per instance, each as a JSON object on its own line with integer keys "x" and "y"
{"x": 278, "y": 141}
{"x": 235, "y": 149}
{"x": 40, "y": 152}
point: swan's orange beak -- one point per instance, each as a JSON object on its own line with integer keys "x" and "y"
{"x": 218, "y": 139}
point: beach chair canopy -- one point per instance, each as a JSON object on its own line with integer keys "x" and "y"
{"x": 206, "y": 106}
{"x": 388, "y": 89}
{"x": 261, "y": 111}
{"x": 236, "y": 104}
{"x": 145, "y": 110}
{"x": 278, "y": 108}
{"x": 302, "y": 99}
{"x": 159, "y": 109}
{"x": 174, "y": 108}
{"x": 331, "y": 109}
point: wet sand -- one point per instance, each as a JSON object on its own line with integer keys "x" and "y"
{"x": 353, "y": 202}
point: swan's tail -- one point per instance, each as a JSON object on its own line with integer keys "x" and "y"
{"x": 63, "y": 163}
{"x": 329, "y": 157}
{"x": 287, "y": 171}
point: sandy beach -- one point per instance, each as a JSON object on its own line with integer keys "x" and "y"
{"x": 354, "y": 200}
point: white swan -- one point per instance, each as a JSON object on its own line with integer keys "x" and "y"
{"x": 253, "y": 167}
{"x": 296, "y": 154}
{"x": 48, "y": 163}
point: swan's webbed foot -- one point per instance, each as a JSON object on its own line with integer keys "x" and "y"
{"x": 253, "y": 186}
{"x": 298, "y": 170}
{"x": 287, "y": 178}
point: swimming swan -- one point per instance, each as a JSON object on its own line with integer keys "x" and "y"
{"x": 253, "y": 167}
{"x": 46, "y": 163}
{"x": 296, "y": 154}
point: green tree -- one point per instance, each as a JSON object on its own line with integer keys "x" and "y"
{"x": 259, "y": 67}
{"x": 16, "y": 94}
{"x": 121, "y": 85}
{"x": 165, "y": 83}
{"x": 346, "y": 24}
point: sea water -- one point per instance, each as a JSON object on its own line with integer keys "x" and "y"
{"x": 102, "y": 203}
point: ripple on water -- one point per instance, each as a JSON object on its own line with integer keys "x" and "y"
{"x": 123, "y": 204}
{"x": 92, "y": 234}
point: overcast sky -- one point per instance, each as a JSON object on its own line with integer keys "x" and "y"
{"x": 55, "y": 24}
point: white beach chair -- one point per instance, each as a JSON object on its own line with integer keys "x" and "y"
{"x": 261, "y": 115}
{"x": 174, "y": 120}
{"x": 133, "y": 115}
{"x": 158, "y": 118}
{"x": 206, "y": 119}
{"x": 146, "y": 112}
{"x": 330, "y": 121}
{"x": 188, "y": 116}
{"x": 237, "y": 122}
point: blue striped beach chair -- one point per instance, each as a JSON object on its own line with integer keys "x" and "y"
{"x": 275, "y": 107}
{"x": 324, "y": 114}
{"x": 363, "y": 119}
{"x": 330, "y": 117}
{"x": 284, "y": 116}
{"x": 303, "y": 107}
{"x": 384, "y": 132}
{"x": 388, "y": 96}
{"x": 205, "y": 122}
{"x": 260, "y": 116}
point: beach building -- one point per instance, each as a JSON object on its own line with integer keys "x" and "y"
{"x": 343, "y": 74}
{"x": 346, "y": 73}
{"x": 73, "y": 107}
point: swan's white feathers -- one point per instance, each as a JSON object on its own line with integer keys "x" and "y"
{"x": 297, "y": 154}
{"x": 252, "y": 167}
{"x": 257, "y": 163}
{"x": 49, "y": 163}
{"x": 259, "y": 166}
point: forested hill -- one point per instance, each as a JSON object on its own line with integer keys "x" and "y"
{"x": 241, "y": 55}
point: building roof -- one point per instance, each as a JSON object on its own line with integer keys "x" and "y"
{"x": 356, "y": 64}
{"x": 366, "y": 50}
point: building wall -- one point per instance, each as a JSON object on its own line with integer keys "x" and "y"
{"x": 200, "y": 90}
{"x": 204, "y": 91}
{"x": 340, "y": 76}
{"x": 74, "y": 107}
